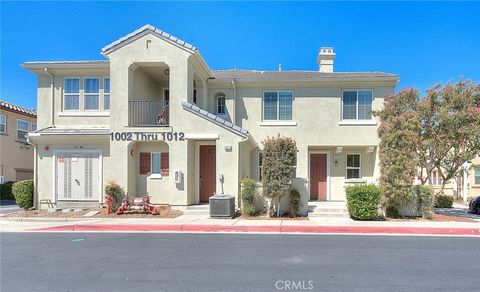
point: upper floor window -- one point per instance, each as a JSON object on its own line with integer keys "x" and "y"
{"x": 3, "y": 123}
{"x": 221, "y": 109}
{"x": 22, "y": 129}
{"x": 477, "y": 175}
{"x": 277, "y": 105}
{"x": 353, "y": 166}
{"x": 72, "y": 94}
{"x": 33, "y": 127}
{"x": 357, "y": 105}
{"x": 91, "y": 93}
{"x": 106, "y": 94}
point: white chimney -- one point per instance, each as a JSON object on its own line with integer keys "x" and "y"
{"x": 325, "y": 59}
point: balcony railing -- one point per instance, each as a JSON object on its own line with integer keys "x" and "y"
{"x": 143, "y": 113}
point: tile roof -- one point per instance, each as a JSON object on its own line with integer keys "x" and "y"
{"x": 256, "y": 75}
{"x": 18, "y": 109}
{"x": 146, "y": 29}
{"x": 190, "y": 107}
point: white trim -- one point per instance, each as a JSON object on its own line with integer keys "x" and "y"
{"x": 351, "y": 167}
{"x": 201, "y": 136}
{"x": 276, "y": 123}
{"x": 357, "y": 122}
{"x": 329, "y": 194}
{"x": 100, "y": 172}
{"x": 70, "y": 93}
{"x": 26, "y": 131}
{"x": 90, "y": 113}
{"x": 278, "y": 110}
{"x": 347, "y": 121}
{"x": 5, "y": 124}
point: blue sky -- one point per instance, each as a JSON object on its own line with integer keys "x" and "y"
{"x": 424, "y": 43}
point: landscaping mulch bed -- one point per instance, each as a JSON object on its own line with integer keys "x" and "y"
{"x": 436, "y": 217}
{"x": 165, "y": 212}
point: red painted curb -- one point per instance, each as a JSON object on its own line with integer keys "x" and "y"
{"x": 263, "y": 228}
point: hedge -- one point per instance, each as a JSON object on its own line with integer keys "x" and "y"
{"x": 23, "y": 192}
{"x": 6, "y": 191}
{"x": 363, "y": 201}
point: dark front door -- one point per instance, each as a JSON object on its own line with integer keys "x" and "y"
{"x": 318, "y": 176}
{"x": 207, "y": 172}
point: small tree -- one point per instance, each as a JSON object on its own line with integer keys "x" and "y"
{"x": 279, "y": 156}
{"x": 398, "y": 132}
{"x": 450, "y": 130}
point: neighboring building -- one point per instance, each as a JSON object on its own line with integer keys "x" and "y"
{"x": 16, "y": 155}
{"x": 465, "y": 185}
{"x": 157, "y": 120}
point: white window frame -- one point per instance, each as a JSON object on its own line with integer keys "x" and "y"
{"x": 224, "y": 105}
{"x": 259, "y": 166}
{"x": 65, "y": 94}
{"x": 356, "y": 106}
{"x": 154, "y": 174}
{"x": 4, "y": 124}
{"x": 85, "y": 94}
{"x": 353, "y": 167}
{"x": 107, "y": 93}
{"x": 26, "y": 131}
{"x": 277, "y": 120}
{"x": 475, "y": 168}
{"x": 436, "y": 178}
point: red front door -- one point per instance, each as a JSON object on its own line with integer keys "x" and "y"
{"x": 318, "y": 176}
{"x": 207, "y": 172}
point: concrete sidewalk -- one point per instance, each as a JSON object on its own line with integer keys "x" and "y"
{"x": 195, "y": 223}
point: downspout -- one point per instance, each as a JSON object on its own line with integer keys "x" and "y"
{"x": 234, "y": 101}
{"x": 53, "y": 96}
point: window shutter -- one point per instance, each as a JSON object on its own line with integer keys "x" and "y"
{"x": 145, "y": 163}
{"x": 165, "y": 164}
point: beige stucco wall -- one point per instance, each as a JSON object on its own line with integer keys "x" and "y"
{"x": 316, "y": 112}
{"x": 15, "y": 155}
{"x": 45, "y": 184}
{"x": 71, "y": 118}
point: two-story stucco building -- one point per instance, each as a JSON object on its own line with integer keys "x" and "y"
{"x": 16, "y": 155}
{"x": 157, "y": 120}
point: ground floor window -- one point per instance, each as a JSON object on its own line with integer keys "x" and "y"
{"x": 436, "y": 178}
{"x": 477, "y": 175}
{"x": 353, "y": 166}
{"x": 260, "y": 165}
{"x": 154, "y": 163}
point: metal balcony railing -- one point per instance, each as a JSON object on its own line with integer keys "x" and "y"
{"x": 144, "y": 113}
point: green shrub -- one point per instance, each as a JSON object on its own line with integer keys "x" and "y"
{"x": 278, "y": 161}
{"x": 23, "y": 192}
{"x": 423, "y": 194}
{"x": 363, "y": 201}
{"x": 295, "y": 203}
{"x": 249, "y": 193}
{"x": 116, "y": 192}
{"x": 443, "y": 201}
{"x": 6, "y": 191}
{"x": 249, "y": 209}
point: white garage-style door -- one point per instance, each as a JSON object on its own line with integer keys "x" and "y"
{"x": 78, "y": 175}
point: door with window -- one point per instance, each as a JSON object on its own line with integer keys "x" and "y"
{"x": 78, "y": 176}
{"x": 207, "y": 179}
{"x": 318, "y": 176}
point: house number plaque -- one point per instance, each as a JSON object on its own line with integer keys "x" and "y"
{"x": 140, "y": 136}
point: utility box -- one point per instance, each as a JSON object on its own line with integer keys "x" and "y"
{"x": 222, "y": 206}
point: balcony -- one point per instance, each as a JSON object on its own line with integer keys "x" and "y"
{"x": 144, "y": 113}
